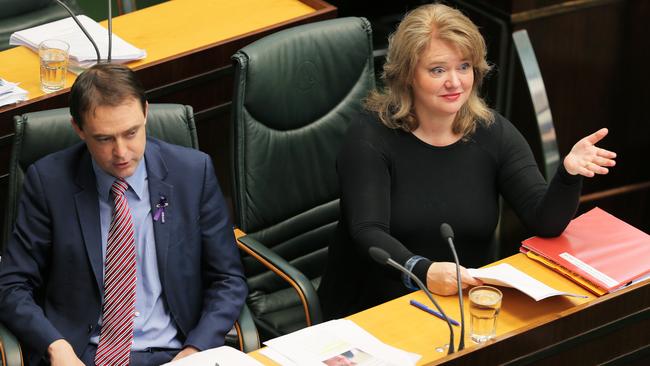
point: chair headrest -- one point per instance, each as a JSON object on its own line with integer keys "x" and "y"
{"x": 313, "y": 65}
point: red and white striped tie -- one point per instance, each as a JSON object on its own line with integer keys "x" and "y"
{"x": 116, "y": 335}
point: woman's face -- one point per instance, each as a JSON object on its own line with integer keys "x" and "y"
{"x": 442, "y": 81}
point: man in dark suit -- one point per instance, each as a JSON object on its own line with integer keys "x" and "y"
{"x": 122, "y": 252}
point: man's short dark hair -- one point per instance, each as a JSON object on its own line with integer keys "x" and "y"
{"x": 103, "y": 85}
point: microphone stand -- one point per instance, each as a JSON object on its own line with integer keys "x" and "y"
{"x": 461, "y": 345}
{"x": 74, "y": 17}
{"x": 110, "y": 30}
{"x": 448, "y": 234}
{"x": 383, "y": 257}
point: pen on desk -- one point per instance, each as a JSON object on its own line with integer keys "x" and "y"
{"x": 423, "y": 307}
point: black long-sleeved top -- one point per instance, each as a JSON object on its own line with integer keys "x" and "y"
{"x": 396, "y": 190}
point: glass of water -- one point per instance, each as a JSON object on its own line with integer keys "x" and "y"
{"x": 484, "y": 308}
{"x": 53, "y": 54}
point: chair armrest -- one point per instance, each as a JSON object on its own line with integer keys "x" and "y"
{"x": 249, "y": 339}
{"x": 295, "y": 278}
{"x": 9, "y": 348}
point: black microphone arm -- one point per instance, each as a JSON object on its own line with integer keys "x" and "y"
{"x": 382, "y": 257}
{"x": 74, "y": 17}
{"x": 448, "y": 234}
{"x": 110, "y": 30}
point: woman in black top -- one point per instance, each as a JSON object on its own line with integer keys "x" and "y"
{"x": 429, "y": 151}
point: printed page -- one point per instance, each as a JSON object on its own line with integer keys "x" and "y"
{"x": 278, "y": 357}
{"x": 337, "y": 343}
{"x": 506, "y": 275}
{"x": 11, "y": 93}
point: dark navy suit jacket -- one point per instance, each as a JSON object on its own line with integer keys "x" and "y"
{"x": 51, "y": 275}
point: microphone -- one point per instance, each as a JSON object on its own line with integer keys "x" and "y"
{"x": 448, "y": 234}
{"x": 74, "y": 17}
{"x": 110, "y": 31}
{"x": 382, "y": 257}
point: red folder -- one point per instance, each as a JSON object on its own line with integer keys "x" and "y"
{"x": 599, "y": 247}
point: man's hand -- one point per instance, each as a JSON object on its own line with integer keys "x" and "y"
{"x": 185, "y": 352}
{"x": 441, "y": 278}
{"x": 62, "y": 354}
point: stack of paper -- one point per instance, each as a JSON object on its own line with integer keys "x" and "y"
{"x": 82, "y": 52}
{"x": 337, "y": 342}
{"x": 11, "y": 93}
{"x": 597, "y": 250}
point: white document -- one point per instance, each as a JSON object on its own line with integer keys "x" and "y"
{"x": 82, "y": 53}
{"x": 337, "y": 342}
{"x": 506, "y": 275}
{"x": 11, "y": 93}
{"x": 220, "y": 356}
{"x": 277, "y": 357}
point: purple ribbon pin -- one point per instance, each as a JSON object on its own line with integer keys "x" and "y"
{"x": 160, "y": 209}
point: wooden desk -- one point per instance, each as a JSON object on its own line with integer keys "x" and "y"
{"x": 559, "y": 329}
{"x": 188, "y": 44}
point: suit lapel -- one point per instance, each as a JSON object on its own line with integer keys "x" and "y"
{"x": 87, "y": 206}
{"x": 158, "y": 190}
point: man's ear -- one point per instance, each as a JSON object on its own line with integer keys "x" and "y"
{"x": 77, "y": 129}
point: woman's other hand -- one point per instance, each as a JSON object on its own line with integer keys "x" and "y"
{"x": 587, "y": 159}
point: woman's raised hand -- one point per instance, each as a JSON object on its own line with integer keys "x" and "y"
{"x": 587, "y": 159}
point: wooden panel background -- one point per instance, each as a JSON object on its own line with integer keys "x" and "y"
{"x": 591, "y": 55}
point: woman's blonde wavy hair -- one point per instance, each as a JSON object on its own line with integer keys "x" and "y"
{"x": 394, "y": 104}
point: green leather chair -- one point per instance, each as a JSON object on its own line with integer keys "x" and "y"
{"x": 22, "y": 14}
{"x": 296, "y": 92}
{"x": 41, "y": 133}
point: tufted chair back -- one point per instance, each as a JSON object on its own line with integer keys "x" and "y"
{"x": 296, "y": 92}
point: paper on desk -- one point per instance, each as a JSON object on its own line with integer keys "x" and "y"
{"x": 352, "y": 357}
{"x": 82, "y": 53}
{"x": 277, "y": 357}
{"x": 11, "y": 93}
{"x": 335, "y": 341}
{"x": 504, "y": 274}
{"x": 220, "y": 356}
